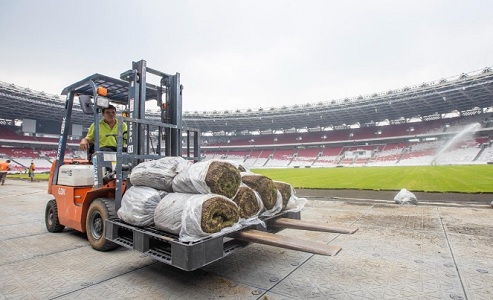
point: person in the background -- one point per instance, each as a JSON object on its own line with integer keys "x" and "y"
{"x": 108, "y": 129}
{"x": 32, "y": 167}
{"x": 4, "y": 168}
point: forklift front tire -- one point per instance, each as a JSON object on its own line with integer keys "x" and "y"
{"x": 99, "y": 211}
{"x": 51, "y": 217}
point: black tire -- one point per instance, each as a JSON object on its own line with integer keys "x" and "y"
{"x": 99, "y": 211}
{"x": 51, "y": 217}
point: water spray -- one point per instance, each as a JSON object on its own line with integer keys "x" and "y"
{"x": 468, "y": 130}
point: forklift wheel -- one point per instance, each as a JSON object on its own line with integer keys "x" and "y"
{"x": 51, "y": 217}
{"x": 99, "y": 211}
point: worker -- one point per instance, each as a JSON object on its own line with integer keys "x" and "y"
{"x": 4, "y": 168}
{"x": 32, "y": 167}
{"x": 108, "y": 129}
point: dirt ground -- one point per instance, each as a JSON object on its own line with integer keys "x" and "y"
{"x": 458, "y": 198}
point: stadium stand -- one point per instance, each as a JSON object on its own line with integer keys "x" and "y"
{"x": 396, "y": 147}
{"x": 406, "y": 126}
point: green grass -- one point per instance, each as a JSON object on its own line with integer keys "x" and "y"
{"x": 463, "y": 179}
{"x": 41, "y": 176}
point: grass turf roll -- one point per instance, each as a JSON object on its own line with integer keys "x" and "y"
{"x": 218, "y": 214}
{"x": 285, "y": 190}
{"x": 264, "y": 186}
{"x": 247, "y": 202}
{"x": 223, "y": 178}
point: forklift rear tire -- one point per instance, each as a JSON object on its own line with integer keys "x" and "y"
{"x": 51, "y": 217}
{"x": 99, "y": 211}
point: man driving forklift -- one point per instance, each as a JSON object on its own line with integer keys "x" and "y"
{"x": 108, "y": 130}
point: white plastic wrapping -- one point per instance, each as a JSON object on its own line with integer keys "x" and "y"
{"x": 405, "y": 197}
{"x": 158, "y": 173}
{"x": 181, "y": 214}
{"x": 295, "y": 203}
{"x": 192, "y": 179}
{"x": 138, "y": 205}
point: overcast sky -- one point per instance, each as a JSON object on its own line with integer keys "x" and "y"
{"x": 247, "y": 54}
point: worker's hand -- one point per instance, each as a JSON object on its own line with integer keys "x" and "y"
{"x": 84, "y": 144}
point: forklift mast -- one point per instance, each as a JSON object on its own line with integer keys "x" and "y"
{"x": 172, "y": 114}
{"x": 149, "y": 137}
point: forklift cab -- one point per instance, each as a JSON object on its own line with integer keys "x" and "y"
{"x": 87, "y": 107}
{"x": 94, "y": 97}
{"x": 147, "y": 137}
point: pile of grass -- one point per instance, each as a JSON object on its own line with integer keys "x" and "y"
{"x": 463, "y": 178}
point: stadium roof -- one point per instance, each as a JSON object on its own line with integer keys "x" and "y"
{"x": 467, "y": 93}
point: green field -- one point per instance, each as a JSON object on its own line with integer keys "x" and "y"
{"x": 41, "y": 176}
{"x": 464, "y": 179}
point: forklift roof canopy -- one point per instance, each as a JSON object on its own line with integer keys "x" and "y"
{"x": 117, "y": 88}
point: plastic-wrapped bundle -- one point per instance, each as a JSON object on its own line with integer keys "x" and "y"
{"x": 138, "y": 205}
{"x": 264, "y": 186}
{"x": 158, "y": 173}
{"x": 208, "y": 177}
{"x": 405, "y": 197}
{"x": 289, "y": 199}
{"x": 196, "y": 216}
{"x": 248, "y": 201}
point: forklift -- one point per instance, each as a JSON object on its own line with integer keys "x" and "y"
{"x": 88, "y": 192}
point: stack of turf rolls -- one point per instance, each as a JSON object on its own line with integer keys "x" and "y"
{"x": 202, "y": 199}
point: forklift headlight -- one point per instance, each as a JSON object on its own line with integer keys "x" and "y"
{"x": 102, "y": 102}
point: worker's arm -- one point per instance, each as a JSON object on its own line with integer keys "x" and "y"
{"x": 84, "y": 143}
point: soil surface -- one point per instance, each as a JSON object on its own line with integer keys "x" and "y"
{"x": 458, "y": 198}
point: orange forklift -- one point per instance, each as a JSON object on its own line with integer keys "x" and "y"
{"x": 88, "y": 192}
